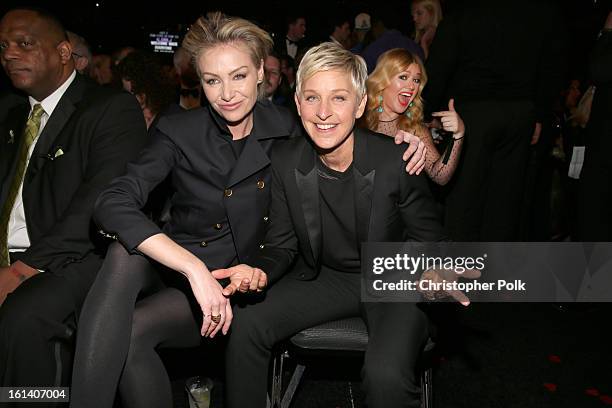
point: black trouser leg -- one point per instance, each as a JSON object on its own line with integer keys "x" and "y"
{"x": 396, "y": 333}
{"x": 37, "y": 326}
{"x": 290, "y": 306}
{"x": 484, "y": 200}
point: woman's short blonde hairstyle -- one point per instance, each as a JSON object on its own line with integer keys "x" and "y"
{"x": 390, "y": 64}
{"x": 220, "y": 29}
{"x": 327, "y": 57}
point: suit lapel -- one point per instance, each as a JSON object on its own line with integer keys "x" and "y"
{"x": 254, "y": 157}
{"x": 307, "y": 182}
{"x": 364, "y": 187}
{"x": 364, "y": 176}
{"x": 58, "y": 119}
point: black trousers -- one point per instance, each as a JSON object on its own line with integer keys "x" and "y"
{"x": 38, "y": 324}
{"x": 595, "y": 198}
{"x": 397, "y": 332}
{"x": 484, "y": 199}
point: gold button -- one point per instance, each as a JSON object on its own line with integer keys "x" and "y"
{"x": 266, "y": 219}
{"x": 217, "y": 226}
{"x": 261, "y": 184}
{"x": 262, "y": 246}
{"x": 203, "y": 244}
{"x": 228, "y": 192}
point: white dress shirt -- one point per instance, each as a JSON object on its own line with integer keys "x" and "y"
{"x": 18, "y": 238}
{"x": 291, "y": 48}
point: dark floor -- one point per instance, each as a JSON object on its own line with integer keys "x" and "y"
{"x": 492, "y": 355}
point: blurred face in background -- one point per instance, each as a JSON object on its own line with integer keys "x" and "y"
{"x": 230, "y": 80}
{"x": 297, "y": 29}
{"x": 101, "y": 71}
{"x": 422, "y": 17}
{"x": 272, "y": 69}
{"x": 344, "y": 32}
{"x": 573, "y": 94}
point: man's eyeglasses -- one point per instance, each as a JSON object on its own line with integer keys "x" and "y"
{"x": 76, "y": 56}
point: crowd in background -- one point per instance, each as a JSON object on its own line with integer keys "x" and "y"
{"x": 550, "y": 204}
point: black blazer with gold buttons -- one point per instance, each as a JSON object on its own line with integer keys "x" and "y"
{"x": 390, "y": 205}
{"x": 220, "y": 206}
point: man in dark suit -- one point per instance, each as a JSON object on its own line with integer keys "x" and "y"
{"x": 60, "y": 147}
{"x": 503, "y": 80}
{"x": 331, "y": 193}
{"x": 293, "y": 42}
{"x": 595, "y": 204}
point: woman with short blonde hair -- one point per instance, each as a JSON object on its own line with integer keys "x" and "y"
{"x": 219, "y": 29}
{"x": 217, "y": 159}
{"x": 332, "y": 191}
{"x": 329, "y": 57}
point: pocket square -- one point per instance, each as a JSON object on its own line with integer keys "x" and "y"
{"x": 11, "y": 138}
{"x": 59, "y": 152}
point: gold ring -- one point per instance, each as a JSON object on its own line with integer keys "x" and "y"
{"x": 215, "y": 319}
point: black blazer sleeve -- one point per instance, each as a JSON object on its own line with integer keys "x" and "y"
{"x": 281, "y": 242}
{"x": 600, "y": 64}
{"x": 118, "y": 134}
{"x": 118, "y": 209}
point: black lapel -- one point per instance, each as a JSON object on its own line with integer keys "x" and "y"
{"x": 267, "y": 124}
{"x": 307, "y": 182}
{"x": 252, "y": 159}
{"x": 60, "y": 116}
{"x": 364, "y": 177}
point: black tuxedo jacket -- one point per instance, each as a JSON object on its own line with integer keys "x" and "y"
{"x": 220, "y": 207}
{"x": 91, "y": 135}
{"x": 390, "y": 205}
{"x": 280, "y": 46}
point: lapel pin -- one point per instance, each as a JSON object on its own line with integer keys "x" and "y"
{"x": 11, "y": 139}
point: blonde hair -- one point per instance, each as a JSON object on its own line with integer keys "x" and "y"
{"x": 390, "y": 64}
{"x": 220, "y": 29}
{"x": 329, "y": 56}
{"x": 434, "y": 8}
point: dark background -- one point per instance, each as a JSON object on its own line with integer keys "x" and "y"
{"x": 110, "y": 24}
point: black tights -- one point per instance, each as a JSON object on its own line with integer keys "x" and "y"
{"x": 117, "y": 335}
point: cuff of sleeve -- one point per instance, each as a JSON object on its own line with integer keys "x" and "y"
{"x": 132, "y": 237}
{"x": 268, "y": 266}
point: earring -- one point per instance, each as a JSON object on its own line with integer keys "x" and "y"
{"x": 380, "y": 107}
{"x": 408, "y": 113}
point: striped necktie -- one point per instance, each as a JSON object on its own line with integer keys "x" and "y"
{"x": 29, "y": 135}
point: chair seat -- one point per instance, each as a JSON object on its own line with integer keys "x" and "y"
{"x": 348, "y": 334}
{"x": 343, "y": 335}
